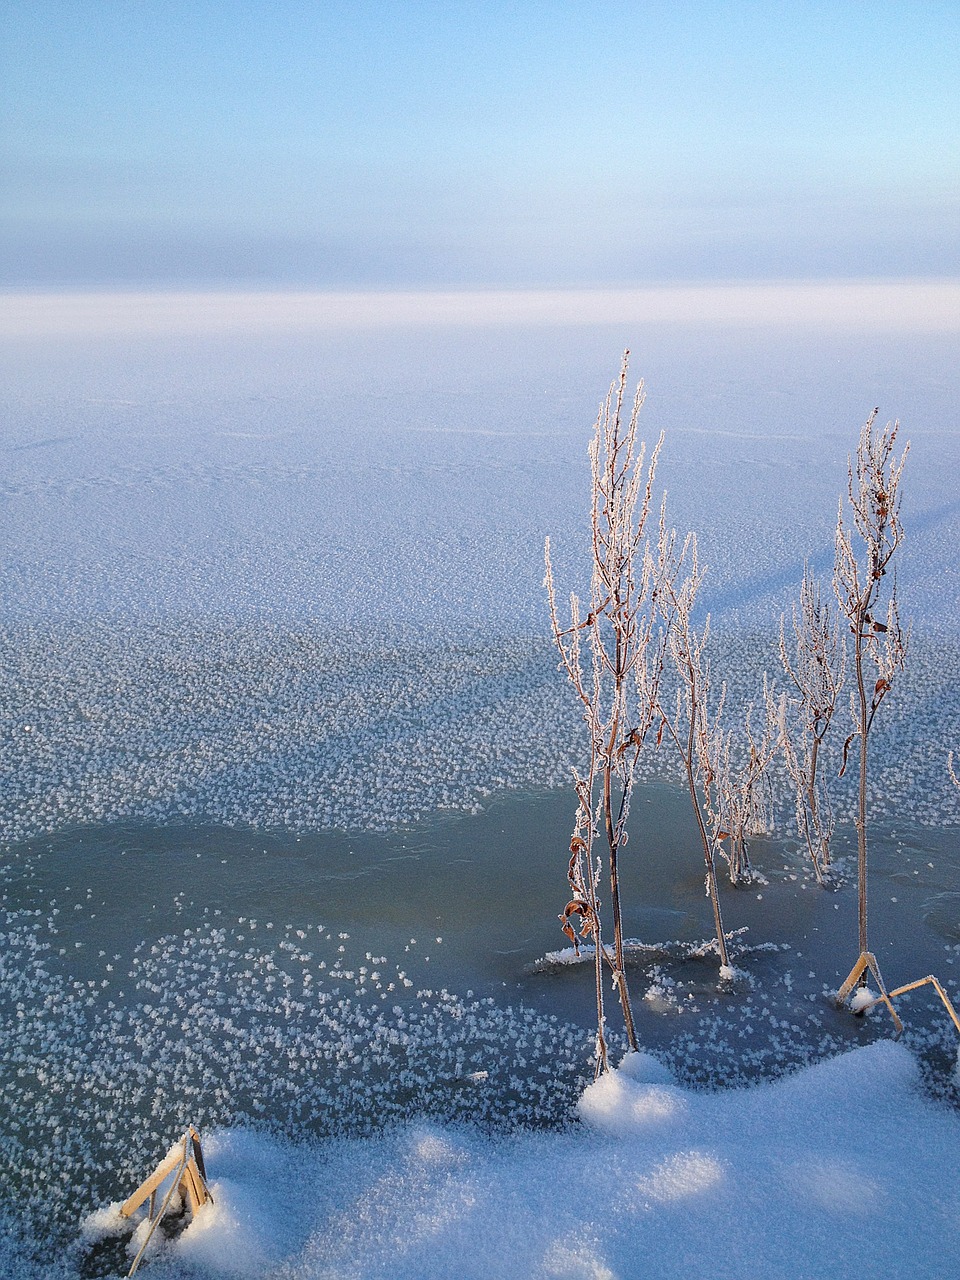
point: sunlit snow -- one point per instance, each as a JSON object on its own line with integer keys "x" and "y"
{"x": 842, "y": 1170}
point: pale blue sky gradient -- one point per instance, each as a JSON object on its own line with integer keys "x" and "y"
{"x": 435, "y": 145}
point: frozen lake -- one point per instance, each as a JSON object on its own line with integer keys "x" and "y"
{"x": 275, "y": 662}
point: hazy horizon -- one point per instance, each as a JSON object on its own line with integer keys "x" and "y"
{"x": 931, "y": 306}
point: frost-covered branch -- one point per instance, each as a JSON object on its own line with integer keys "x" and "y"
{"x": 610, "y": 652}
{"x": 815, "y": 665}
{"x": 686, "y": 720}
{"x": 740, "y": 800}
{"x": 864, "y": 552}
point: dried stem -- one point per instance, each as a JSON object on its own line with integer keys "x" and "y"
{"x": 816, "y": 668}
{"x": 739, "y": 799}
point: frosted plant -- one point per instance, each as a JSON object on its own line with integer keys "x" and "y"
{"x": 609, "y": 654}
{"x": 950, "y": 769}
{"x": 686, "y": 719}
{"x": 863, "y": 555}
{"x": 815, "y": 664}
{"x": 739, "y": 798}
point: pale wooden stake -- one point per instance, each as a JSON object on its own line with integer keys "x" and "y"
{"x": 155, "y": 1221}
{"x": 186, "y": 1165}
{"x": 149, "y": 1186}
{"x": 868, "y": 961}
{"x": 912, "y": 986}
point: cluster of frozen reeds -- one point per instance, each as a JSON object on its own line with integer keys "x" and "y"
{"x": 635, "y": 648}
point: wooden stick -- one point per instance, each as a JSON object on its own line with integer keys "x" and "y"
{"x": 852, "y": 979}
{"x": 207, "y": 1194}
{"x": 149, "y": 1185}
{"x": 935, "y": 983}
{"x": 196, "y": 1188}
{"x": 155, "y": 1222}
{"x": 188, "y": 1188}
{"x": 198, "y": 1153}
{"x": 868, "y": 961}
{"x": 186, "y": 1165}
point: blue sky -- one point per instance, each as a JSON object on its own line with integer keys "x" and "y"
{"x": 456, "y": 144}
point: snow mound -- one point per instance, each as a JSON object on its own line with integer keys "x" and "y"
{"x": 639, "y": 1095}
{"x": 655, "y": 1180}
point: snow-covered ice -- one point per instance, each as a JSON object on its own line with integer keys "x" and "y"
{"x": 292, "y": 580}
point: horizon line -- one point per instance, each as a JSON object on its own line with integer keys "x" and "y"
{"x": 920, "y": 304}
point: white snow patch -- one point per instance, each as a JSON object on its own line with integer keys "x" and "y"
{"x": 862, "y": 998}
{"x": 645, "y": 1068}
{"x": 101, "y": 1223}
{"x": 616, "y": 1104}
{"x": 688, "y": 1173}
{"x": 646, "y": 1189}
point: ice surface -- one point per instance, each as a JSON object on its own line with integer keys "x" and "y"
{"x": 296, "y": 580}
